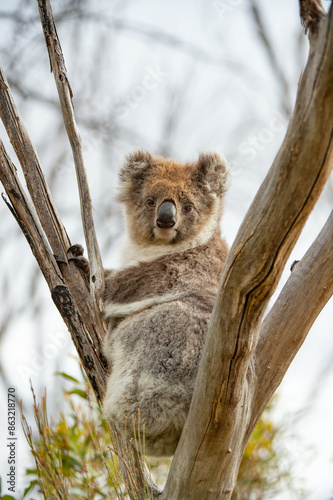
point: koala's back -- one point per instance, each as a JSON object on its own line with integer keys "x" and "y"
{"x": 155, "y": 352}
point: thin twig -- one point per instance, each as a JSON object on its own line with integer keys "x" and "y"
{"x": 58, "y": 68}
{"x": 27, "y": 156}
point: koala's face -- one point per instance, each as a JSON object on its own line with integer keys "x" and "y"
{"x": 167, "y": 202}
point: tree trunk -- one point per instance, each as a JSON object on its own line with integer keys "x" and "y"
{"x": 229, "y": 396}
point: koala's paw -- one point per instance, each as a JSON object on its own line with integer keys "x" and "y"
{"x": 78, "y": 259}
{"x": 77, "y": 250}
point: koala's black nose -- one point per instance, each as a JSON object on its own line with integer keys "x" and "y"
{"x": 166, "y": 215}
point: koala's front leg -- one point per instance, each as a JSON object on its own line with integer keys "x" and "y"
{"x": 83, "y": 264}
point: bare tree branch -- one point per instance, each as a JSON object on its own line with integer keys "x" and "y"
{"x": 285, "y": 328}
{"x": 29, "y": 161}
{"x": 24, "y": 214}
{"x": 46, "y": 210}
{"x": 73, "y": 299}
{"x": 58, "y": 68}
{"x": 211, "y": 446}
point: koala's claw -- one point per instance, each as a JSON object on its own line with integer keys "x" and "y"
{"x": 81, "y": 263}
{"x": 59, "y": 261}
{"x": 78, "y": 259}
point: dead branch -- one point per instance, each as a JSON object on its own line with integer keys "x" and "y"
{"x": 45, "y": 208}
{"x": 27, "y": 156}
{"x": 24, "y": 214}
{"x": 58, "y": 68}
{"x": 211, "y": 446}
{"x": 20, "y": 207}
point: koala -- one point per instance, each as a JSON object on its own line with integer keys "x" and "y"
{"x": 158, "y": 305}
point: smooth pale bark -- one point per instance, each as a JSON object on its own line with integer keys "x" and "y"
{"x": 286, "y": 326}
{"x": 210, "y": 450}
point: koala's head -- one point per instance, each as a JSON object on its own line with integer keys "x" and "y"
{"x": 168, "y": 202}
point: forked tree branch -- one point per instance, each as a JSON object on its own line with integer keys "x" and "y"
{"x": 211, "y": 446}
{"x": 24, "y": 214}
{"x": 46, "y": 210}
{"x": 286, "y": 326}
{"x": 67, "y": 286}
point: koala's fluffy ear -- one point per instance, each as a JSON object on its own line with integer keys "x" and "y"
{"x": 133, "y": 173}
{"x": 212, "y": 173}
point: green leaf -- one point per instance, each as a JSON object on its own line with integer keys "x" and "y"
{"x": 30, "y": 487}
{"x": 67, "y": 377}
{"x": 83, "y": 394}
{"x": 31, "y": 472}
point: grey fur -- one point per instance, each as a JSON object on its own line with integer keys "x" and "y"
{"x": 154, "y": 352}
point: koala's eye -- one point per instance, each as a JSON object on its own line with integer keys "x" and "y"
{"x": 150, "y": 203}
{"x": 187, "y": 209}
